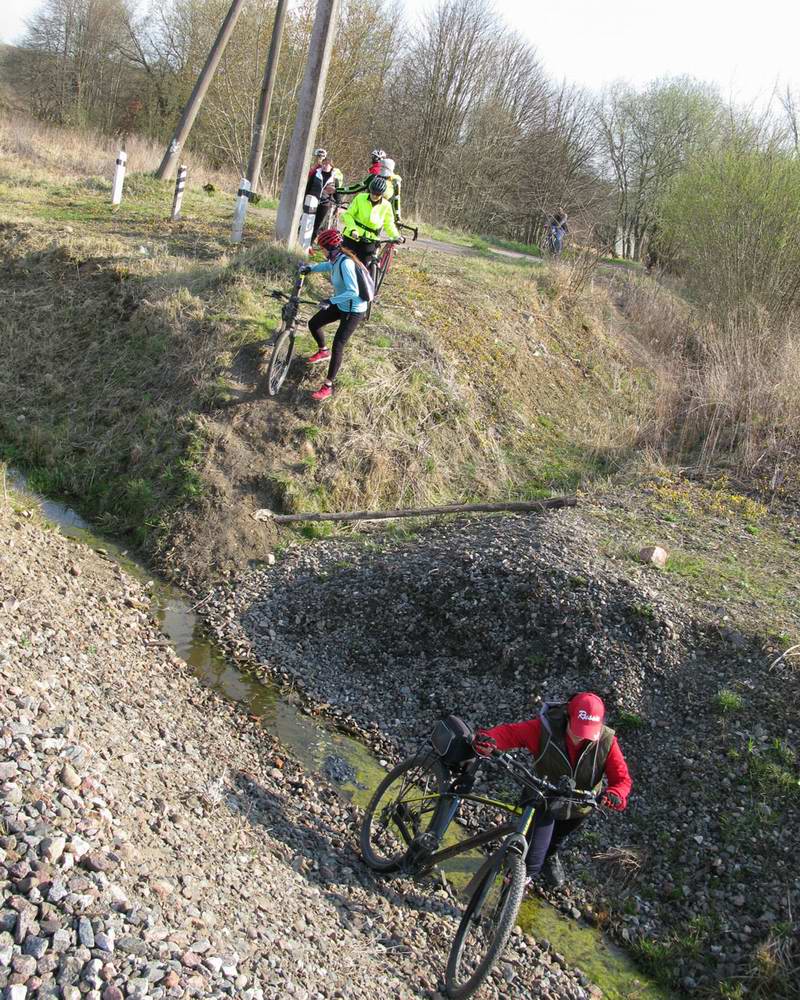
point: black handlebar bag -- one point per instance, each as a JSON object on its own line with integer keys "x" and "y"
{"x": 560, "y": 808}
{"x": 452, "y": 741}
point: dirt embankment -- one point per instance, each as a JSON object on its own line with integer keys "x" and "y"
{"x": 154, "y": 842}
{"x": 142, "y": 396}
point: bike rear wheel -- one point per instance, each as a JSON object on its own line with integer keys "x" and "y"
{"x": 402, "y": 807}
{"x": 486, "y": 926}
{"x": 281, "y": 359}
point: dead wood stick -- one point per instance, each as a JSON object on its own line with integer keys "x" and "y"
{"x": 520, "y": 506}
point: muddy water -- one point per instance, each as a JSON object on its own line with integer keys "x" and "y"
{"x": 325, "y": 751}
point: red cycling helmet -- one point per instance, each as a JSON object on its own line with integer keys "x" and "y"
{"x": 329, "y": 239}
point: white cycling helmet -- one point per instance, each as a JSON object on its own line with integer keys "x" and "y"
{"x": 321, "y": 153}
{"x": 389, "y": 163}
{"x": 377, "y": 154}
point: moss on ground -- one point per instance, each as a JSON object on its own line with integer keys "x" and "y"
{"x": 730, "y": 557}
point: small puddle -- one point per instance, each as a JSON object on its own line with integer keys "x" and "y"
{"x": 340, "y": 758}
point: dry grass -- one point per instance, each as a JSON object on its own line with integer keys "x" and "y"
{"x": 99, "y": 394}
{"x": 727, "y": 396}
{"x": 621, "y": 865}
{"x": 500, "y": 391}
{"x": 776, "y": 968}
{"x": 69, "y": 153}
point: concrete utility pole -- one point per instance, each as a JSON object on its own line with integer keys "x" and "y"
{"x": 267, "y": 86}
{"x": 199, "y": 92}
{"x": 305, "y": 127}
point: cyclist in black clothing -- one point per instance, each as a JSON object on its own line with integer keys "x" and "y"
{"x": 557, "y": 229}
{"x": 324, "y": 183}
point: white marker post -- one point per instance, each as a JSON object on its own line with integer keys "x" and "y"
{"x": 119, "y": 177}
{"x": 180, "y": 187}
{"x": 242, "y": 198}
{"x": 306, "y": 228}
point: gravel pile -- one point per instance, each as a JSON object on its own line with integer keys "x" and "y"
{"x": 155, "y": 842}
{"x": 488, "y": 618}
{"x": 483, "y": 618}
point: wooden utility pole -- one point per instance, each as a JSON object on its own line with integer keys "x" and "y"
{"x": 267, "y": 86}
{"x": 199, "y": 92}
{"x": 305, "y": 127}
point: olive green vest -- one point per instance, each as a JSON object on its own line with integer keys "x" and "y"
{"x": 553, "y": 763}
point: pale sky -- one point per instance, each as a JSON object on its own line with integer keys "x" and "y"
{"x": 745, "y": 48}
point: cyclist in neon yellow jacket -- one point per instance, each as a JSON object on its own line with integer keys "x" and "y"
{"x": 367, "y": 216}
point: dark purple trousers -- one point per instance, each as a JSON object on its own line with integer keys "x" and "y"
{"x": 545, "y": 837}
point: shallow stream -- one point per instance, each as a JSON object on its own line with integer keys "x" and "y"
{"x": 341, "y": 759}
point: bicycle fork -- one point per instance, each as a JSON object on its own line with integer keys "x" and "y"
{"x": 516, "y": 842}
{"x": 428, "y": 843}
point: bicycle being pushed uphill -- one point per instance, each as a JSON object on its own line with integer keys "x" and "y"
{"x": 284, "y": 337}
{"x": 380, "y": 262}
{"x": 407, "y": 820}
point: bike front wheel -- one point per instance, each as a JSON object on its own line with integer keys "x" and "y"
{"x": 383, "y": 266}
{"x": 280, "y": 360}
{"x": 401, "y": 809}
{"x": 374, "y": 272}
{"x": 486, "y": 926}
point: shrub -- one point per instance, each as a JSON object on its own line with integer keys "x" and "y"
{"x": 728, "y": 701}
{"x": 730, "y": 388}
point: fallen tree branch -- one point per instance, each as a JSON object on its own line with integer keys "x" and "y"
{"x": 519, "y": 506}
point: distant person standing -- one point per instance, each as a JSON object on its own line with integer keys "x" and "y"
{"x": 557, "y": 230}
{"x": 329, "y": 198}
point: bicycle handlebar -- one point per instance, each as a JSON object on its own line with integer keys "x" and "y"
{"x": 276, "y": 293}
{"x": 528, "y": 780}
{"x": 411, "y": 229}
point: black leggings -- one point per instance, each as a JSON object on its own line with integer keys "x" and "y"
{"x": 546, "y": 836}
{"x": 363, "y": 249}
{"x": 347, "y": 324}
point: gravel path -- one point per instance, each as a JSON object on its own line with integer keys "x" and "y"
{"x": 488, "y": 617}
{"x": 155, "y": 842}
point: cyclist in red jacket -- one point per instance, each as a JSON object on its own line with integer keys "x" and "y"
{"x": 567, "y": 740}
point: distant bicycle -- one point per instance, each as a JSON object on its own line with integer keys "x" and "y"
{"x": 554, "y": 240}
{"x": 284, "y": 337}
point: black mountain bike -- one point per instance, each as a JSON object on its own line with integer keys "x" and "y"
{"x": 405, "y": 825}
{"x": 284, "y": 337}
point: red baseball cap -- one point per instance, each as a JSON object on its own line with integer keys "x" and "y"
{"x": 586, "y": 715}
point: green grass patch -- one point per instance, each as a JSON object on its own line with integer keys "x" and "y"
{"x": 628, "y": 722}
{"x": 772, "y": 771}
{"x": 728, "y": 702}
{"x": 531, "y": 249}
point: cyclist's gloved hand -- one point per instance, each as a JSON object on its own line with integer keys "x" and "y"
{"x": 325, "y": 304}
{"x": 304, "y": 268}
{"x": 399, "y": 239}
{"x": 611, "y": 800}
{"x": 483, "y": 744}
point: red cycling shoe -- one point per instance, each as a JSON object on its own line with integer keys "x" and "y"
{"x": 323, "y": 393}
{"x": 323, "y": 354}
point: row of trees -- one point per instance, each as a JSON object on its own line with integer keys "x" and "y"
{"x": 483, "y": 138}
